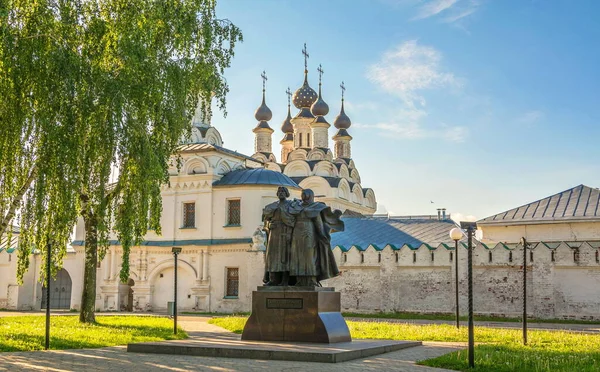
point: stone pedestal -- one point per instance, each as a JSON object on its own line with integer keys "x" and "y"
{"x": 301, "y": 314}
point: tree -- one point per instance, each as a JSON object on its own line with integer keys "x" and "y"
{"x": 95, "y": 85}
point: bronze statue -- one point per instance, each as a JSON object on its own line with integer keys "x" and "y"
{"x": 279, "y": 222}
{"x": 299, "y": 241}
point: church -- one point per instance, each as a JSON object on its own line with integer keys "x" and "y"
{"x": 212, "y": 208}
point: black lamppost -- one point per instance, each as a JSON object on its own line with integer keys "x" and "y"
{"x": 456, "y": 234}
{"x": 176, "y": 251}
{"x": 524, "y": 244}
{"x": 48, "y": 274}
{"x": 470, "y": 227}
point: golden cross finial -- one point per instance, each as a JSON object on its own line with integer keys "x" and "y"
{"x": 320, "y": 70}
{"x": 305, "y": 52}
{"x": 264, "y": 78}
{"x": 343, "y": 89}
{"x": 289, "y": 94}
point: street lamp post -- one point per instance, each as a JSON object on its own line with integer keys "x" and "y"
{"x": 176, "y": 251}
{"x": 456, "y": 234}
{"x": 524, "y": 244}
{"x": 470, "y": 227}
{"x": 48, "y": 274}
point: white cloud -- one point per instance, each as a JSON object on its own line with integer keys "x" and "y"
{"x": 458, "y": 217}
{"x": 409, "y": 69}
{"x": 531, "y": 117}
{"x": 434, "y": 7}
{"x": 463, "y": 12}
{"x": 406, "y": 72}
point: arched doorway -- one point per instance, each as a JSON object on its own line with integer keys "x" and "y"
{"x": 126, "y": 295}
{"x": 60, "y": 291}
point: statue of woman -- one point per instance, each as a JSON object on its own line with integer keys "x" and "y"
{"x": 311, "y": 258}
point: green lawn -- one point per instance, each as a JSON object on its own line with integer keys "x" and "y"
{"x": 26, "y": 333}
{"x": 483, "y": 318}
{"x": 498, "y": 350}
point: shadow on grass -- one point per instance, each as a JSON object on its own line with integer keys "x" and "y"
{"x": 509, "y": 358}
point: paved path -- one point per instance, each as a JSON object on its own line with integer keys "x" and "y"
{"x": 117, "y": 359}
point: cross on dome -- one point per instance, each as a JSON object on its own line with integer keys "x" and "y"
{"x": 289, "y": 94}
{"x": 305, "y": 53}
{"x": 320, "y": 70}
{"x": 343, "y": 89}
{"x": 264, "y": 78}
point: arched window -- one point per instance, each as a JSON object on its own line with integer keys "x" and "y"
{"x": 300, "y": 140}
{"x": 308, "y": 140}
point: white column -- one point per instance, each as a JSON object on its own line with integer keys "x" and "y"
{"x": 199, "y": 266}
{"x": 107, "y": 265}
{"x": 112, "y": 263}
{"x": 204, "y": 266}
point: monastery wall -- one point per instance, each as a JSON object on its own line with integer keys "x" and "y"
{"x": 423, "y": 280}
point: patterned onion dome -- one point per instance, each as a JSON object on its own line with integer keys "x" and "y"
{"x": 263, "y": 113}
{"x": 286, "y": 126}
{"x": 342, "y": 121}
{"x": 305, "y": 96}
{"x": 319, "y": 108}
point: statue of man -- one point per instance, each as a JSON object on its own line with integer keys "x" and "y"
{"x": 279, "y": 222}
{"x": 311, "y": 258}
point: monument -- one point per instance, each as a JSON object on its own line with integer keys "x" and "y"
{"x": 292, "y": 305}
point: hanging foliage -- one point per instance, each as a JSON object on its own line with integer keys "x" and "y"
{"x": 94, "y": 86}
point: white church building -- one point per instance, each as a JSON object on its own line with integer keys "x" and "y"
{"x": 212, "y": 209}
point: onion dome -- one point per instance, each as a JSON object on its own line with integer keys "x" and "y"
{"x": 342, "y": 121}
{"x": 305, "y": 96}
{"x": 286, "y": 126}
{"x": 263, "y": 112}
{"x": 319, "y": 108}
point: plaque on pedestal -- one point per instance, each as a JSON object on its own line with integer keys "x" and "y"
{"x": 301, "y": 314}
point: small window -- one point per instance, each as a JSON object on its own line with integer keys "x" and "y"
{"x": 379, "y": 257}
{"x": 9, "y": 257}
{"x": 308, "y": 140}
{"x": 189, "y": 214}
{"x": 345, "y": 257}
{"x": 597, "y": 257}
{"x": 531, "y": 256}
{"x": 414, "y": 257}
{"x": 552, "y": 256}
{"x": 397, "y": 257}
{"x": 362, "y": 257}
{"x": 233, "y": 212}
{"x": 233, "y": 281}
{"x": 300, "y": 139}
{"x": 432, "y": 256}
{"x": 489, "y": 256}
{"x": 576, "y": 255}
{"x": 509, "y": 256}
{"x": 451, "y": 256}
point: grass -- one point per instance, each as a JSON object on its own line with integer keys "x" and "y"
{"x": 27, "y": 333}
{"x": 497, "y": 350}
{"x": 451, "y": 317}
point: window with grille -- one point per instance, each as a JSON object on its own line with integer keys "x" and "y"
{"x": 189, "y": 214}
{"x": 233, "y": 212}
{"x": 233, "y": 281}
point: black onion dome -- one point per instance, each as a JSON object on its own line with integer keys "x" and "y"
{"x": 286, "y": 126}
{"x": 319, "y": 108}
{"x": 342, "y": 121}
{"x": 263, "y": 113}
{"x": 305, "y": 96}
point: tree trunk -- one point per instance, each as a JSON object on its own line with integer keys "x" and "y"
{"x": 12, "y": 209}
{"x": 88, "y": 297}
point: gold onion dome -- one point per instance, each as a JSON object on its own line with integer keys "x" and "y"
{"x": 342, "y": 121}
{"x": 305, "y": 96}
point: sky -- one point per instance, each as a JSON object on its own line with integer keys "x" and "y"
{"x": 476, "y": 106}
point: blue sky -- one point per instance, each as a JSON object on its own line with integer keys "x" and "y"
{"x": 477, "y": 105}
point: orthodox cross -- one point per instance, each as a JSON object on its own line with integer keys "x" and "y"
{"x": 289, "y": 94}
{"x": 343, "y": 89}
{"x": 264, "y": 79}
{"x": 320, "y": 69}
{"x": 305, "y": 52}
